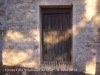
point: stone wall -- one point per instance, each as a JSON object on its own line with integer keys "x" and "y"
{"x": 20, "y": 28}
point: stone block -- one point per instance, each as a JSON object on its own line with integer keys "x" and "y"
{"x": 19, "y": 1}
{"x": 23, "y": 8}
{"x": 33, "y": 24}
{"x": 20, "y": 15}
{"x": 90, "y": 38}
{"x": 36, "y": 46}
{"x": 81, "y": 9}
{"x": 2, "y": 2}
{"x": 15, "y": 1}
{"x": 98, "y": 30}
{"x": 97, "y": 38}
{"x": 2, "y": 12}
{"x": 18, "y": 25}
{"x": 29, "y": 1}
{"x": 90, "y": 29}
{"x": 32, "y": 10}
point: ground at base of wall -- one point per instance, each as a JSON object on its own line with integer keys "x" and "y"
{"x": 13, "y": 70}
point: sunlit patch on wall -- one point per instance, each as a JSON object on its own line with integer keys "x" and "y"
{"x": 91, "y": 65}
{"x": 13, "y": 35}
{"x": 96, "y": 20}
{"x": 91, "y": 9}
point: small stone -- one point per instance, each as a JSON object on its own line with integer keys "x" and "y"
{"x": 88, "y": 45}
{"x": 90, "y": 38}
{"x": 36, "y": 47}
{"x": 33, "y": 23}
{"x": 32, "y": 10}
{"x": 36, "y": 55}
{"x": 30, "y": 1}
{"x": 97, "y": 38}
{"x": 2, "y": 12}
{"x": 1, "y": 32}
{"x": 94, "y": 53}
{"x": 94, "y": 50}
{"x": 90, "y": 29}
{"x": 98, "y": 53}
{"x": 0, "y": 23}
{"x": 19, "y": 1}
{"x": 98, "y": 30}
{"x": 1, "y": 4}
{"x": 2, "y": 1}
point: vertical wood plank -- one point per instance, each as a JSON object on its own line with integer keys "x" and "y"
{"x": 60, "y": 21}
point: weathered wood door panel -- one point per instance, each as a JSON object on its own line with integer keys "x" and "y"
{"x": 56, "y": 24}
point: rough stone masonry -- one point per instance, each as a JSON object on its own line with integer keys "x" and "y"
{"x": 20, "y": 28}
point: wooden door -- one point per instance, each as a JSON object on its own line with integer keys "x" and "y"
{"x": 56, "y": 39}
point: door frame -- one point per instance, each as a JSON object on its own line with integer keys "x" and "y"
{"x": 40, "y": 24}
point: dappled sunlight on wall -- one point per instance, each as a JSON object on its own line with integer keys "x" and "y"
{"x": 96, "y": 20}
{"x": 88, "y": 15}
{"x": 14, "y": 57}
{"x": 35, "y": 34}
{"x": 57, "y": 37}
{"x": 79, "y": 27}
{"x": 14, "y": 36}
{"x": 19, "y": 50}
{"x": 85, "y": 30}
{"x": 91, "y": 65}
{"x": 19, "y": 58}
{"x": 21, "y": 38}
{"x": 17, "y": 36}
{"x": 91, "y": 9}
{"x": 92, "y": 15}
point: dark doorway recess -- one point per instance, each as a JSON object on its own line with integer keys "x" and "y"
{"x": 56, "y": 34}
